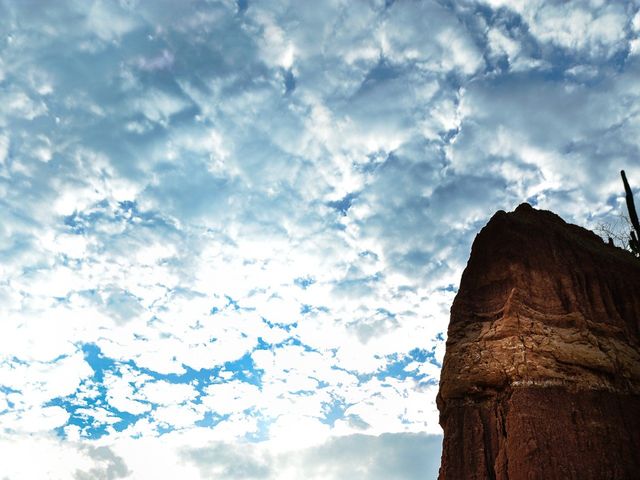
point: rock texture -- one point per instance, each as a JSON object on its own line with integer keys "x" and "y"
{"x": 541, "y": 377}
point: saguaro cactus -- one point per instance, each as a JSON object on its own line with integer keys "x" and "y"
{"x": 634, "y": 244}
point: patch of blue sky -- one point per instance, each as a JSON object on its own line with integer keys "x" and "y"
{"x": 304, "y": 282}
{"x": 321, "y": 383}
{"x": 243, "y": 5}
{"x": 338, "y": 226}
{"x": 290, "y": 341}
{"x": 244, "y": 369}
{"x": 368, "y": 254}
{"x": 360, "y": 282}
{"x": 373, "y": 162}
{"x": 80, "y": 406}
{"x": 287, "y": 327}
{"x": 163, "y": 428}
{"x": 289, "y": 81}
{"x": 232, "y": 303}
{"x": 80, "y": 222}
{"x": 90, "y": 426}
{"x": 17, "y": 361}
{"x": 386, "y": 313}
{"x": 344, "y": 204}
{"x": 382, "y": 72}
{"x": 261, "y": 433}
{"x": 211, "y": 419}
{"x": 197, "y": 378}
{"x": 79, "y": 411}
{"x": 303, "y": 393}
{"x": 87, "y": 221}
{"x": 8, "y": 390}
{"x": 448, "y": 288}
{"x": 397, "y": 364}
{"x": 262, "y": 345}
{"x": 333, "y": 411}
{"x": 362, "y": 377}
{"x": 532, "y": 200}
{"x": 5, "y": 389}
{"x": 305, "y": 308}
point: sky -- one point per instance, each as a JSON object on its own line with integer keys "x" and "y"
{"x": 232, "y": 230}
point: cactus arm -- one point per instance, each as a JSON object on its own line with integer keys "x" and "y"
{"x": 634, "y": 243}
{"x": 633, "y": 216}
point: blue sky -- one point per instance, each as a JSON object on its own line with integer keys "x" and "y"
{"x": 232, "y": 230}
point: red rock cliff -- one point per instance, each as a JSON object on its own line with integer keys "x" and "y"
{"x": 541, "y": 376}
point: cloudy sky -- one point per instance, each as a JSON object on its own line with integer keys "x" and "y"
{"x": 232, "y": 230}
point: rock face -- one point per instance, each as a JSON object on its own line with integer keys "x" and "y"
{"x": 541, "y": 376}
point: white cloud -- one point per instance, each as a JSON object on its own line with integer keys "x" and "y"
{"x": 258, "y": 213}
{"x": 499, "y": 43}
{"x": 232, "y": 396}
{"x": 108, "y": 21}
{"x": 442, "y": 45}
{"x": 4, "y": 148}
{"x": 167, "y": 393}
{"x": 160, "y": 62}
{"x": 176, "y": 456}
{"x": 159, "y": 106}
{"x": 593, "y": 28}
{"x": 18, "y": 104}
{"x": 37, "y": 420}
{"x": 55, "y": 461}
{"x": 121, "y": 391}
{"x": 177, "y": 416}
{"x": 356, "y": 456}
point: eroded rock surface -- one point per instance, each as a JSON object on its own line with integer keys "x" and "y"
{"x": 541, "y": 377}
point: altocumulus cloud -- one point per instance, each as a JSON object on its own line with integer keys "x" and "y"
{"x": 232, "y": 230}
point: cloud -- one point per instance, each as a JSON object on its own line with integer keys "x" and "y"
{"x": 110, "y": 466}
{"x": 236, "y": 228}
{"x": 58, "y": 459}
{"x": 228, "y": 462}
{"x": 398, "y": 456}
{"x": 562, "y": 144}
{"x": 591, "y": 28}
{"x": 388, "y": 456}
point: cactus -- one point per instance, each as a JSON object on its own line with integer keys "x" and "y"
{"x": 634, "y": 243}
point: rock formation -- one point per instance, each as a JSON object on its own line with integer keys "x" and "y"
{"x": 541, "y": 377}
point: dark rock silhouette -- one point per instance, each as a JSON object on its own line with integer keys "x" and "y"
{"x": 541, "y": 377}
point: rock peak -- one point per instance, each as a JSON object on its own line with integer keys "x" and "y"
{"x": 524, "y": 207}
{"x": 543, "y": 355}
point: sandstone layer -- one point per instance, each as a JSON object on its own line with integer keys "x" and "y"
{"x": 541, "y": 376}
